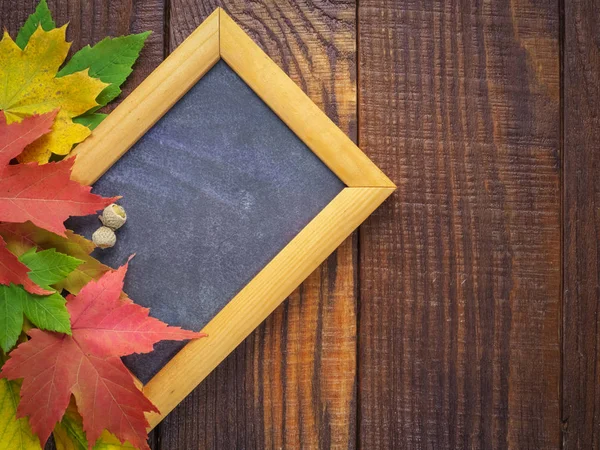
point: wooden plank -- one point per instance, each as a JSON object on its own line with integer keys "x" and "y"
{"x": 460, "y": 273}
{"x": 89, "y": 22}
{"x": 293, "y": 380}
{"x": 581, "y": 194}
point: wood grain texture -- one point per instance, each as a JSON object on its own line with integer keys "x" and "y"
{"x": 460, "y": 274}
{"x": 581, "y": 353}
{"x": 89, "y": 22}
{"x": 292, "y": 382}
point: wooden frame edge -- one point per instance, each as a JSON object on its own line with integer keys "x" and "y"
{"x": 259, "y": 298}
{"x": 148, "y": 102}
{"x": 296, "y": 109}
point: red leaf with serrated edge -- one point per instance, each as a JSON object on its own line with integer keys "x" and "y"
{"x": 15, "y": 137}
{"x": 87, "y": 364}
{"x": 54, "y": 366}
{"x": 45, "y": 195}
{"x": 109, "y": 328}
{"x": 14, "y": 271}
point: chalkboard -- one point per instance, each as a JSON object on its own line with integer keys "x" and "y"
{"x": 212, "y": 192}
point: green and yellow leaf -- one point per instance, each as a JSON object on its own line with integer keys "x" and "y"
{"x": 41, "y": 17}
{"x": 15, "y": 434}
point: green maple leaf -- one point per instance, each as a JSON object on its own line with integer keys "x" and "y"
{"x": 48, "y": 267}
{"x": 11, "y": 316}
{"x": 42, "y": 16}
{"x": 45, "y": 312}
{"x": 110, "y": 60}
{"x": 90, "y": 120}
{"x": 48, "y": 312}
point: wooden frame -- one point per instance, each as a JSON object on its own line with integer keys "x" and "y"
{"x": 367, "y": 187}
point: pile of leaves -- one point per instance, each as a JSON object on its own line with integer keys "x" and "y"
{"x": 60, "y": 358}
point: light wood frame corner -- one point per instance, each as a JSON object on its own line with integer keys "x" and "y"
{"x": 219, "y": 37}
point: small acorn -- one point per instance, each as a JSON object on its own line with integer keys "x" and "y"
{"x": 104, "y": 237}
{"x": 113, "y": 216}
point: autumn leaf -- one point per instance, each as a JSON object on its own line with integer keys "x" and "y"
{"x": 14, "y": 271}
{"x": 30, "y": 86}
{"x": 15, "y": 434}
{"x": 20, "y": 237}
{"x": 110, "y": 60}
{"x": 45, "y": 195}
{"x": 87, "y": 364}
{"x": 14, "y": 138}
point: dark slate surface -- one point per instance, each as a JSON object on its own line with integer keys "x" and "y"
{"x": 213, "y": 192}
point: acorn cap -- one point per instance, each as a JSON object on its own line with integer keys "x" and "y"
{"x": 113, "y": 216}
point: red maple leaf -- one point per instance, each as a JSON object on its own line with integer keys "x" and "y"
{"x": 14, "y": 138}
{"x": 88, "y": 365}
{"x": 45, "y": 194}
{"x": 14, "y": 271}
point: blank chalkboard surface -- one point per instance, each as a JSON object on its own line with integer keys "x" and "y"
{"x": 213, "y": 192}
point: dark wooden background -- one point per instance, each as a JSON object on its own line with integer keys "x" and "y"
{"x": 464, "y": 313}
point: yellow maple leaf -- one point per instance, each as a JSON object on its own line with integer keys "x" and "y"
{"x": 28, "y": 85}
